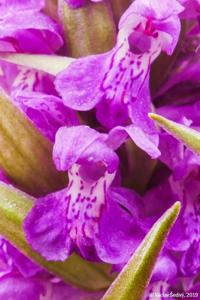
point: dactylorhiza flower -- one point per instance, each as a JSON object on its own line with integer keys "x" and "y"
{"x": 116, "y": 83}
{"x": 20, "y": 278}
{"x": 93, "y": 215}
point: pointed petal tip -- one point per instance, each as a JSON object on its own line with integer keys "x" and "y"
{"x": 155, "y": 117}
{"x": 174, "y": 210}
{"x": 176, "y": 207}
{"x": 189, "y": 136}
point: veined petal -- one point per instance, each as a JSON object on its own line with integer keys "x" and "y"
{"x": 79, "y": 83}
{"x": 147, "y": 142}
{"x": 116, "y": 81}
{"x": 87, "y": 203}
{"x": 77, "y": 219}
{"x": 83, "y": 145}
{"x": 46, "y": 229}
{"x": 119, "y": 225}
{"x": 78, "y": 210}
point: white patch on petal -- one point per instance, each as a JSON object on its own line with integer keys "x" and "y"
{"x": 86, "y": 203}
{"x": 127, "y": 71}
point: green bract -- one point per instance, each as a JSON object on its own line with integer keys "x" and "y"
{"x": 23, "y": 149}
{"x": 187, "y": 135}
{"x": 132, "y": 281}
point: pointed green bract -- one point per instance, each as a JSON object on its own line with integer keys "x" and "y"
{"x": 25, "y": 154}
{"x": 131, "y": 282}
{"x": 51, "y": 64}
{"x": 188, "y": 136}
{"x": 14, "y": 206}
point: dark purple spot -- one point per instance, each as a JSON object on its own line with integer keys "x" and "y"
{"x": 91, "y": 172}
{"x": 139, "y": 43}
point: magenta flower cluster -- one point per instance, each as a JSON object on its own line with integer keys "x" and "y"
{"x": 96, "y": 215}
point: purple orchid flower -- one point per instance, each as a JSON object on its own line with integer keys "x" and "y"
{"x": 92, "y": 215}
{"x": 117, "y": 82}
{"x": 23, "y": 28}
{"x": 78, "y": 3}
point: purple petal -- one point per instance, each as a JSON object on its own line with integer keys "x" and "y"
{"x": 83, "y": 145}
{"x": 119, "y": 233}
{"x": 152, "y": 9}
{"x": 27, "y": 80}
{"x": 190, "y": 263}
{"x": 24, "y": 265}
{"x": 18, "y": 288}
{"x": 172, "y": 151}
{"x": 164, "y": 19}
{"x": 46, "y": 229}
{"x": 147, "y": 142}
{"x": 79, "y": 84}
{"x": 110, "y": 113}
